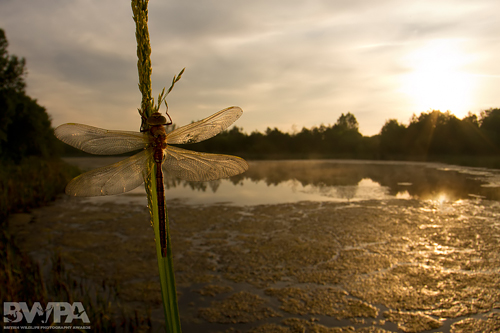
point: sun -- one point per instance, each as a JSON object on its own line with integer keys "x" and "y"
{"x": 437, "y": 80}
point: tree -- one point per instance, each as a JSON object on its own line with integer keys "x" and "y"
{"x": 490, "y": 125}
{"x": 12, "y": 69}
{"x": 347, "y": 122}
{"x": 25, "y": 128}
{"x": 420, "y": 133}
{"x": 473, "y": 141}
{"x": 392, "y": 135}
{"x": 471, "y": 118}
{"x": 344, "y": 136}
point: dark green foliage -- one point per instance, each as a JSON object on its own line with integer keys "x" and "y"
{"x": 30, "y": 173}
{"x": 390, "y": 138}
{"x": 436, "y": 133}
{"x": 25, "y": 128}
{"x": 24, "y": 125}
{"x": 433, "y": 136}
{"x": 12, "y": 69}
{"x": 490, "y": 126}
{"x": 339, "y": 140}
{"x": 31, "y": 183}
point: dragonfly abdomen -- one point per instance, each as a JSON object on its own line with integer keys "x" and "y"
{"x": 159, "y": 143}
{"x": 160, "y": 193}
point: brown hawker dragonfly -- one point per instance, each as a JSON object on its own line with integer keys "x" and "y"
{"x": 130, "y": 173}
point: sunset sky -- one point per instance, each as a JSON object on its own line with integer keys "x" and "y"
{"x": 287, "y": 64}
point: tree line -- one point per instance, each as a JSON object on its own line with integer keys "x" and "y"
{"x": 429, "y": 136}
{"x": 442, "y": 133}
{"x": 25, "y": 127}
{"x": 30, "y": 172}
{"x": 339, "y": 140}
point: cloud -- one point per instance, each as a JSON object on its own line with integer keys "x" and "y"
{"x": 284, "y": 62}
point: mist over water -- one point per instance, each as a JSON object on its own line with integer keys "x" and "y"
{"x": 271, "y": 182}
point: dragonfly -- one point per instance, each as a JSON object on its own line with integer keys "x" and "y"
{"x": 156, "y": 150}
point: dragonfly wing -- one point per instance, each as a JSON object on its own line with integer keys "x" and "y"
{"x": 195, "y": 166}
{"x": 112, "y": 179}
{"x": 100, "y": 141}
{"x": 206, "y": 128}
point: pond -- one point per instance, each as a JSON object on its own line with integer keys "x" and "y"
{"x": 295, "y": 246}
{"x": 273, "y": 182}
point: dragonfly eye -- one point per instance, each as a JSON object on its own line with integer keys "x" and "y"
{"x": 156, "y": 119}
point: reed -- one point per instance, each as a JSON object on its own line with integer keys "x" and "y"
{"x": 22, "y": 279}
{"x": 32, "y": 182}
{"x": 165, "y": 264}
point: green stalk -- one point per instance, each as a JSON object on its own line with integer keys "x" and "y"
{"x": 165, "y": 264}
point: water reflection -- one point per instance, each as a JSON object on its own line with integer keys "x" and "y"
{"x": 281, "y": 181}
{"x": 336, "y": 180}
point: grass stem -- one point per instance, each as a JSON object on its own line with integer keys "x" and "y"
{"x": 165, "y": 264}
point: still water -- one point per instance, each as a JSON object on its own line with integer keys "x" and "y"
{"x": 427, "y": 262}
{"x": 273, "y": 182}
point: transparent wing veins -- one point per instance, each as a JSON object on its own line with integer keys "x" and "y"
{"x": 206, "y": 128}
{"x": 100, "y": 141}
{"x": 112, "y": 179}
{"x": 196, "y": 166}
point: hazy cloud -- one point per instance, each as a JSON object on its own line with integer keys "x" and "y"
{"x": 283, "y": 62}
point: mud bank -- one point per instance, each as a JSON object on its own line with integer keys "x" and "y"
{"x": 370, "y": 266}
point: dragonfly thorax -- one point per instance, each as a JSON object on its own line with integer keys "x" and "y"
{"x": 156, "y": 119}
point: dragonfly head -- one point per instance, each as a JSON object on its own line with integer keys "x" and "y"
{"x": 156, "y": 119}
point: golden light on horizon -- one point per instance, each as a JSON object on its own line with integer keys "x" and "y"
{"x": 437, "y": 80}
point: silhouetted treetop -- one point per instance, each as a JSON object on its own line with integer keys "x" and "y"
{"x": 25, "y": 128}
{"x": 12, "y": 68}
{"x": 347, "y": 122}
{"x": 472, "y": 119}
{"x": 427, "y": 136}
{"x": 490, "y": 125}
{"x": 441, "y": 133}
